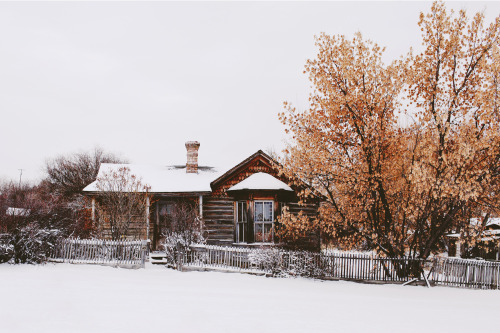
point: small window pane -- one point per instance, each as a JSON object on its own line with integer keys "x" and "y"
{"x": 259, "y": 212}
{"x": 241, "y": 232}
{"x": 268, "y": 211}
{"x": 242, "y": 211}
{"x": 268, "y": 232}
{"x": 259, "y": 237}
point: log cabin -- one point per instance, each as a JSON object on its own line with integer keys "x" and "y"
{"x": 239, "y": 206}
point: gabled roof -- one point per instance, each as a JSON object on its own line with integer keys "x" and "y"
{"x": 241, "y": 165}
{"x": 174, "y": 179}
{"x": 260, "y": 181}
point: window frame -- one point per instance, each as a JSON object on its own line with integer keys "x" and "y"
{"x": 243, "y": 224}
{"x": 264, "y": 222}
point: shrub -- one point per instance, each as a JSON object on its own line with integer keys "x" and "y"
{"x": 284, "y": 263}
{"x": 29, "y": 244}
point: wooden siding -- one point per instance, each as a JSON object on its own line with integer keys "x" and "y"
{"x": 312, "y": 240}
{"x": 136, "y": 230}
{"x": 310, "y": 209}
{"x": 218, "y": 215}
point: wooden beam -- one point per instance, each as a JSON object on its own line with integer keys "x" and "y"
{"x": 200, "y": 203}
{"x": 147, "y": 218}
{"x": 93, "y": 209}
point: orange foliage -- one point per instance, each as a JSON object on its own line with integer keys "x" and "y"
{"x": 389, "y": 185}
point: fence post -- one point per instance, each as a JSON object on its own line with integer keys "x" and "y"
{"x": 145, "y": 247}
{"x": 179, "y": 257}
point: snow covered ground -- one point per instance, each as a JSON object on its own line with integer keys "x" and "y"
{"x": 85, "y": 298}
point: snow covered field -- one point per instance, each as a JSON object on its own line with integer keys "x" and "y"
{"x": 85, "y": 298}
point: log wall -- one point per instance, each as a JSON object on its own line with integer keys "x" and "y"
{"x": 218, "y": 215}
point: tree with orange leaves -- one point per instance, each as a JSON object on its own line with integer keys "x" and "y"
{"x": 398, "y": 188}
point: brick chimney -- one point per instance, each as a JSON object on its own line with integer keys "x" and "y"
{"x": 192, "y": 156}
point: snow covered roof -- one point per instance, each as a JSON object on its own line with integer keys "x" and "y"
{"x": 163, "y": 178}
{"x": 260, "y": 181}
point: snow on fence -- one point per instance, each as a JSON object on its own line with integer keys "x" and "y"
{"x": 218, "y": 257}
{"x": 301, "y": 263}
{"x": 372, "y": 268}
{"x": 105, "y": 252}
{"x": 337, "y": 265}
{"x": 466, "y": 273}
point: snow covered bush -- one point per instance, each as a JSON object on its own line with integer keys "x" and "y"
{"x": 285, "y": 263}
{"x": 30, "y": 244}
{"x": 183, "y": 228}
{"x": 269, "y": 260}
{"x": 179, "y": 243}
{"x": 29, "y": 224}
{"x": 303, "y": 263}
{"x": 5, "y": 248}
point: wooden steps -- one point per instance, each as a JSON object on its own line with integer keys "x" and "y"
{"x": 158, "y": 258}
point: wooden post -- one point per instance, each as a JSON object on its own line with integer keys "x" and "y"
{"x": 458, "y": 250}
{"x": 200, "y": 202}
{"x": 147, "y": 217}
{"x": 93, "y": 210}
{"x": 143, "y": 253}
{"x": 179, "y": 257}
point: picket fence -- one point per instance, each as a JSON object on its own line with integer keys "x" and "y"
{"x": 440, "y": 271}
{"x": 302, "y": 263}
{"x": 466, "y": 273}
{"x": 104, "y": 252}
{"x": 454, "y": 272}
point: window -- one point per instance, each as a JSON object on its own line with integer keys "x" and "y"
{"x": 263, "y": 221}
{"x": 166, "y": 208}
{"x": 165, "y": 215}
{"x": 241, "y": 222}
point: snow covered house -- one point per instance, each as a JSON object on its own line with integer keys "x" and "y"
{"x": 239, "y": 206}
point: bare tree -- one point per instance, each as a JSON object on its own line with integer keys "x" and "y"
{"x": 68, "y": 175}
{"x": 183, "y": 228}
{"x": 121, "y": 204}
{"x": 183, "y": 222}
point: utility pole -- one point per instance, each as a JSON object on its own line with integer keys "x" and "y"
{"x": 20, "y": 176}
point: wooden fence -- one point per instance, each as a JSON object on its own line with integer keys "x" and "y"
{"x": 372, "y": 268}
{"x": 223, "y": 257}
{"x": 104, "y": 252}
{"x": 442, "y": 271}
{"x": 301, "y": 263}
{"x": 466, "y": 273}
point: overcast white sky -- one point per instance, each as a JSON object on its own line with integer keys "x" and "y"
{"x": 141, "y": 78}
